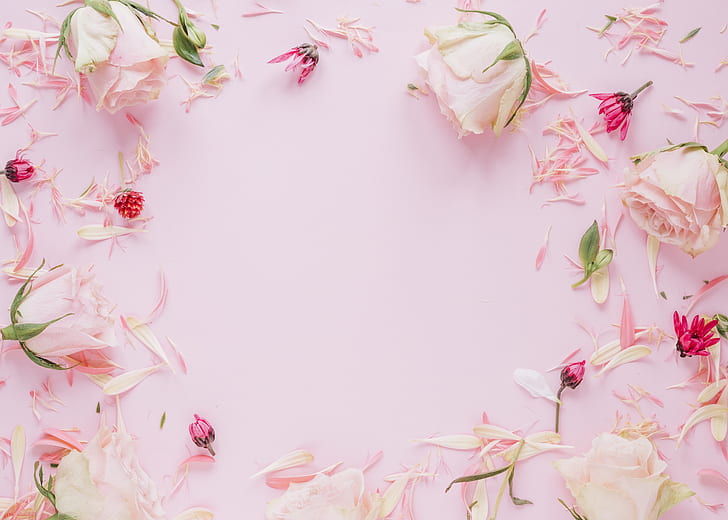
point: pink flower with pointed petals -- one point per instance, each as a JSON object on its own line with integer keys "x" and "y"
{"x": 19, "y": 169}
{"x": 617, "y": 109}
{"x": 694, "y": 340}
{"x": 203, "y": 434}
{"x": 305, "y": 57}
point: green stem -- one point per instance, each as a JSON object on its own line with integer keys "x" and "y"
{"x": 721, "y": 150}
{"x": 509, "y": 473}
{"x": 636, "y": 92}
{"x": 558, "y": 408}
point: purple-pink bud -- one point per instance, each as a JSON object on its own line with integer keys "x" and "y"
{"x": 573, "y": 374}
{"x": 203, "y": 434}
{"x": 19, "y": 169}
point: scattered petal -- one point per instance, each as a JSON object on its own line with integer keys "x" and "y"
{"x": 534, "y": 383}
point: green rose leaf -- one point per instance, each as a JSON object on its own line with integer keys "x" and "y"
{"x": 480, "y": 476}
{"x": 589, "y": 245}
{"x": 41, "y": 361}
{"x": 26, "y": 331}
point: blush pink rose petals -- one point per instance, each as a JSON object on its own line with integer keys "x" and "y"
{"x": 59, "y": 314}
{"x": 105, "y": 480}
{"x": 479, "y": 73}
{"x": 679, "y": 195}
{"x": 621, "y": 478}
{"x": 123, "y": 64}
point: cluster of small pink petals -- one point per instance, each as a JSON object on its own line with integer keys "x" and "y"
{"x": 360, "y": 38}
{"x": 304, "y": 57}
{"x": 565, "y": 163}
{"x": 636, "y": 394}
{"x": 693, "y": 339}
{"x": 617, "y": 111}
{"x": 209, "y": 86}
{"x": 638, "y": 28}
{"x": 546, "y": 85}
{"x": 262, "y": 10}
{"x": 712, "y": 112}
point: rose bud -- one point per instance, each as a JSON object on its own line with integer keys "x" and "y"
{"x": 479, "y": 73}
{"x": 679, "y": 195}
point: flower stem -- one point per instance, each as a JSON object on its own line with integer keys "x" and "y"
{"x": 722, "y": 149}
{"x": 558, "y": 408}
{"x": 511, "y": 468}
{"x": 209, "y": 448}
{"x": 636, "y": 92}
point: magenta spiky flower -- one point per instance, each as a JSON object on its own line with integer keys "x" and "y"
{"x": 617, "y": 109}
{"x": 305, "y": 56}
{"x": 694, "y": 339}
{"x": 19, "y": 169}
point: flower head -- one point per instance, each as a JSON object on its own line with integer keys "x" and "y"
{"x": 129, "y": 203}
{"x": 305, "y": 55}
{"x": 695, "y": 339}
{"x": 203, "y": 434}
{"x": 572, "y": 375}
{"x": 617, "y": 109}
{"x": 19, "y": 169}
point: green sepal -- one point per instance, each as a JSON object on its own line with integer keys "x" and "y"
{"x": 195, "y": 35}
{"x": 26, "y": 331}
{"x": 516, "y": 501}
{"x": 511, "y": 52}
{"x": 480, "y": 476}
{"x": 527, "y": 81}
{"x": 589, "y": 245}
{"x": 140, "y": 8}
{"x": 62, "y": 37}
{"x": 41, "y": 361}
{"x": 184, "y": 48}
{"x": 38, "y": 479}
{"x": 498, "y": 17}
{"x": 722, "y": 326}
{"x": 103, "y": 7}
{"x": 721, "y": 150}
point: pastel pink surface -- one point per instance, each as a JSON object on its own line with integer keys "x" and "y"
{"x": 345, "y": 275}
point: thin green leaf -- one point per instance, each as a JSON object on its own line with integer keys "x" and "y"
{"x": 690, "y": 34}
{"x": 498, "y": 17}
{"x": 664, "y": 296}
{"x": 163, "y": 420}
{"x": 38, "y": 479}
{"x": 184, "y": 48}
{"x": 215, "y": 26}
{"x": 589, "y": 245}
{"x": 98, "y": 407}
{"x": 63, "y": 36}
{"x": 610, "y": 21}
{"x": 516, "y": 501}
{"x": 22, "y": 294}
{"x": 572, "y": 510}
{"x": 138, "y": 7}
{"x": 473, "y": 478}
{"x": 510, "y": 52}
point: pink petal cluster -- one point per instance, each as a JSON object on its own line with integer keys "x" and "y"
{"x": 305, "y": 57}
{"x": 694, "y": 339}
{"x": 65, "y": 290}
{"x": 617, "y": 109}
{"x": 19, "y": 169}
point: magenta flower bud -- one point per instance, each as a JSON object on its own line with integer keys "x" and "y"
{"x": 694, "y": 340}
{"x": 573, "y": 374}
{"x": 617, "y": 107}
{"x": 19, "y": 169}
{"x": 203, "y": 434}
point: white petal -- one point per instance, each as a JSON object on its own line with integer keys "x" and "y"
{"x": 535, "y": 383}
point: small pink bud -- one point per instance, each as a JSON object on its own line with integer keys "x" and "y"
{"x": 203, "y": 434}
{"x": 19, "y": 169}
{"x": 572, "y": 375}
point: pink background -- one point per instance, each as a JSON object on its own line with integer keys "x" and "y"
{"x": 346, "y": 275}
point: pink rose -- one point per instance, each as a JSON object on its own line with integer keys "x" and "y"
{"x": 106, "y": 481}
{"x": 621, "y": 478}
{"x": 124, "y": 65}
{"x": 61, "y": 291}
{"x": 479, "y": 73}
{"x": 337, "y": 497}
{"x": 678, "y": 195}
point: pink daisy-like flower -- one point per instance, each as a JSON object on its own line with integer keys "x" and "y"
{"x": 305, "y": 56}
{"x": 694, "y": 340}
{"x": 617, "y": 109}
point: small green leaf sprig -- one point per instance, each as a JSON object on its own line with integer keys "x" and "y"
{"x": 22, "y": 332}
{"x": 572, "y": 510}
{"x": 509, "y": 470}
{"x": 47, "y": 491}
{"x": 187, "y": 38}
{"x": 592, "y": 258}
{"x": 512, "y": 51}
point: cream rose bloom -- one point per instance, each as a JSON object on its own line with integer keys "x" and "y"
{"x": 74, "y": 291}
{"x": 124, "y": 65}
{"x": 621, "y": 479}
{"x": 106, "y": 481}
{"x": 337, "y": 497}
{"x": 479, "y": 74}
{"x": 678, "y": 195}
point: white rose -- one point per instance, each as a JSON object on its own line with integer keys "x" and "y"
{"x": 479, "y": 73}
{"x": 621, "y": 479}
{"x": 124, "y": 65}
{"x": 106, "y": 481}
